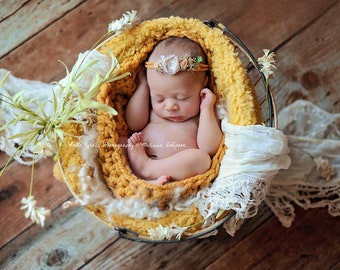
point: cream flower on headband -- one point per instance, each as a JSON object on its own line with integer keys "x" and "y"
{"x": 169, "y": 64}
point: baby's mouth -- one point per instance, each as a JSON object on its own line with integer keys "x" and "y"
{"x": 176, "y": 118}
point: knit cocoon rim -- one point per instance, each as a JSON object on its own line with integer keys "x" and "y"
{"x": 228, "y": 80}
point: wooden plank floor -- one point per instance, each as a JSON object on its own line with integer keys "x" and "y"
{"x": 35, "y": 34}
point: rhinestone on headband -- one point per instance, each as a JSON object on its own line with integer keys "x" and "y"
{"x": 172, "y": 64}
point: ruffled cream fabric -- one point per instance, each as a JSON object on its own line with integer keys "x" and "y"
{"x": 313, "y": 179}
{"x": 255, "y": 155}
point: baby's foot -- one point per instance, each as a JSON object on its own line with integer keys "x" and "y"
{"x": 161, "y": 180}
{"x": 136, "y": 153}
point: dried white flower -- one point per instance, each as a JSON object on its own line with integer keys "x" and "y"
{"x": 267, "y": 62}
{"x": 44, "y": 149}
{"x": 326, "y": 171}
{"x": 167, "y": 232}
{"x": 125, "y": 22}
{"x": 36, "y": 214}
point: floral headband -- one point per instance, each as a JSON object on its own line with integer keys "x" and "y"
{"x": 172, "y": 64}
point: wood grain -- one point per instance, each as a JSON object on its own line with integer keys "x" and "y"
{"x": 76, "y": 32}
{"x": 295, "y": 248}
{"x": 308, "y": 65}
{"x": 70, "y": 239}
{"x": 9, "y": 8}
{"x": 23, "y": 20}
{"x": 304, "y": 35}
{"x": 269, "y": 24}
{"x": 15, "y": 184}
{"x": 193, "y": 254}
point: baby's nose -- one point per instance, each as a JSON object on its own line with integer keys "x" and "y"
{"x": 171, "y": 106}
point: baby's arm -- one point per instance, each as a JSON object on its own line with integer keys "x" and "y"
{"x": 209, "y": 133}
{"x": 138, "y": 109}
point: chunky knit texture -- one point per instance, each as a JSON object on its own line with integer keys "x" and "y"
{"x": 228, "y": 79}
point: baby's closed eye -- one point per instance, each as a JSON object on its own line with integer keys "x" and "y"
{"x": 157, "y": 98}
{"x": 183, "y": 98}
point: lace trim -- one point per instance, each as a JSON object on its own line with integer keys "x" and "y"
{"x": 255, "y": 154}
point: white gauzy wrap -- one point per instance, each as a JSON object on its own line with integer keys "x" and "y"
{"x": 254, "y": 155}
{"x": 31, "y": 89}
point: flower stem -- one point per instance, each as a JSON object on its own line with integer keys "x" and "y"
{"x": 32, "y": 176}
{"x": 9, "y": 160}
{"x": 267, "y": 99}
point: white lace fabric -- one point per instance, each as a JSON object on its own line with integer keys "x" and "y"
{"x": 254, "y": 155}
{"x": 313, "y": 179}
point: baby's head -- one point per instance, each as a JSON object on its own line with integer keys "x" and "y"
{"x": 176, "y": 73}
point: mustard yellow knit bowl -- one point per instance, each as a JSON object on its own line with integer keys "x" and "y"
{"x": 230, "y": 81}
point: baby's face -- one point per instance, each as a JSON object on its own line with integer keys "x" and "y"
{"x": 176, "y": 97}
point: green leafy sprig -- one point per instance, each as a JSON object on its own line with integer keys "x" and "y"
{"x": 70, "y": 105}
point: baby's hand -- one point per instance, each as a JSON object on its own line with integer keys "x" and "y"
{"x": 208, "y": 99}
